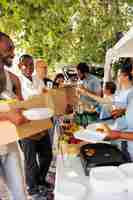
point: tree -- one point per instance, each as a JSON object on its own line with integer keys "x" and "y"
{"x": 67, "y": 31}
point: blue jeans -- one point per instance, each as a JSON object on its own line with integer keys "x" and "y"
{"x": 12, "y": 173}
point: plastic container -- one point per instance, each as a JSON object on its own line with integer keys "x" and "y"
{"x": 71, "y": 191}
{"x": 107, "y": 179}
{"x": 127, "y": 169}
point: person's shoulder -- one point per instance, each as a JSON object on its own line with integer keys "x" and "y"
{"x": 91, "y": 76}
{"x": 95, "y": 79}
{"x": 13, "y": 76}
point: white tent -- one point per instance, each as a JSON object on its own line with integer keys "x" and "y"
{"x": 123, "y": 48}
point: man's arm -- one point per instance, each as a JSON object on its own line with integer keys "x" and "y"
{"x": 126, "y": 135}
{"x": 115, "y": 134}
{"x": 118, "y": 112}
{"x": 98, "y": 98}
{"x": 14, "y": 116}
{"x": 17, "y": 84}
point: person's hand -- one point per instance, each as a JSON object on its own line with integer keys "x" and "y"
{"x": 16, "y": 117}
{"x": 110, "y": 134}
{"x": 80, "y": 91}
{"x": 113, "y": 135}
{"x": 44, "y": 90}
{"x": 117, "y": 112}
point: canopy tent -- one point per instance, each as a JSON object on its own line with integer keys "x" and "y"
{"x": 123, "y": 48}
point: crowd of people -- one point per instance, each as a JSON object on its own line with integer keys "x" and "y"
{"x": 114, "y": 99}
{"x": 116, "y": 102}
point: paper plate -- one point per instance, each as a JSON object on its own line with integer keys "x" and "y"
{"x": 90, "y": 134}
{"x": 107, "y": 179}
{"x": 38, "y": 113}
{"x": 68, "y": 191}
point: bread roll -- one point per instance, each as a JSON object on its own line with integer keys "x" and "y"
{"x": 103, "y": 128}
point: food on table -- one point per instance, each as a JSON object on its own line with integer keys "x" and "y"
{"x": 100, "y": 129}
{"x": 70, "y": 128}
{"x": 90, "y": 152}
{"x": 103, "y": 128}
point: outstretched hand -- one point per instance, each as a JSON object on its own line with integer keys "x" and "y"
{"x": 15, "y": 116}
{"x": 110, "y": 134}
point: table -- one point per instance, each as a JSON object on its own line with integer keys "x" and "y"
{"x": 74, "y": 173}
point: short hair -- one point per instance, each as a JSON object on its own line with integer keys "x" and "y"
{"x": 126, "y": 71}
{"x": 110, "y": 85}
{"x": 83, "y": 68}
{"x": 25, "y": 56}
{"x": 3, "y": 35}
{"x": 127, "y": 66}
{"x": 60, "y": 75}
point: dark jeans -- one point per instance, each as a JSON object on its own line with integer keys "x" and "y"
{"x": 38, "y": 156}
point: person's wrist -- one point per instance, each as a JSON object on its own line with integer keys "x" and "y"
{"x": 117, "y": 133}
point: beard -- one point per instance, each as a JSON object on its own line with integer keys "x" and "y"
{"x": 8, "y": 61}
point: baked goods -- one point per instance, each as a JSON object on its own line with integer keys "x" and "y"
{"x": 103, "y": 128}
{"x": 90, "y": 152}
{"x": 100, "y": 129}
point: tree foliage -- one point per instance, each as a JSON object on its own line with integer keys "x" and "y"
{"x": 67, "y": 31}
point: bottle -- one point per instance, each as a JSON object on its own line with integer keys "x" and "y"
{"x": 77, "y": 118}
{"x": 84, "y": 120}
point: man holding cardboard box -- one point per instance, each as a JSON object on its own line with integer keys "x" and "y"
{"x": 38, "y": 146}
{"x": 10, "y": 162}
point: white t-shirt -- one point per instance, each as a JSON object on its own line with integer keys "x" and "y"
{"x": 30, "y": 88}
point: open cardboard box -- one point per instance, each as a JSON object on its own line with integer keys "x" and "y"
{"x": 10, "y": 133}
{"x": 57, "y": 99}
{"x": 60, "y": 98}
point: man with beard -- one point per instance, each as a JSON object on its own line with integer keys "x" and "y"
{"x": 10, "y": 161}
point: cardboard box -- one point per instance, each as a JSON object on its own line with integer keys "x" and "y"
{"x": 56, "y": 99}
{"x": 59, "y": 99}
{"x": 10, "y": 133}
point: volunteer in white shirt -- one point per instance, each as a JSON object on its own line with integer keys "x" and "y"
{"x": 30, "y": 84}
{"x": 39, "y": 146}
